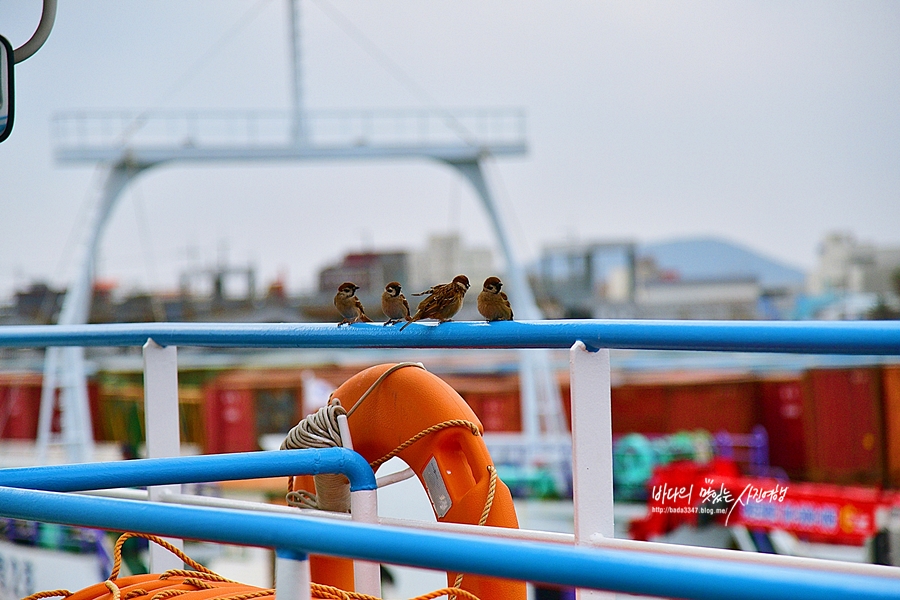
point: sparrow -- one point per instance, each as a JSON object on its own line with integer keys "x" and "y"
{"x": 444, "y": 300}
{"x": 349, "y": 305}
{"x": 492, "y": 303}
{"x": 394, "y": 304}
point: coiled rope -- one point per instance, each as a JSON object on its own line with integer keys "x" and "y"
{"x": 320, "y": 430}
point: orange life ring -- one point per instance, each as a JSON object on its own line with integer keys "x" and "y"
{"x": 195, "y": 583}
{"x": 414, "y": 415}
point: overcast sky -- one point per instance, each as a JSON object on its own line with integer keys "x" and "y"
{"x": 765, "y": 123}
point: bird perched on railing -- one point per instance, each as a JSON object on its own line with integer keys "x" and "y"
{"x": 444, "y": 300}
{"x": 394, "y": 304}
{"x": 346, "y": 302}
{"x": 492, "y": 303}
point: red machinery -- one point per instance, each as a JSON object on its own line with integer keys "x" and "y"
{"x": 685, "y": 492}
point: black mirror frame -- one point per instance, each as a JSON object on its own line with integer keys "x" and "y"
{"x": 9, "y": 88}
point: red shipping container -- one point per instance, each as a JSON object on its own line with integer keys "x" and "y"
{"x": 721, "y": 406}
{"x": 230, "y": 421}
{"x": 781, "y": 404}
{"x": 842, "y": 416}
{"x": 20, "y": 403}
{"x": 891, "y": 395}
{"x": 498, "y": 412}
{"x": 685, "y": 401}
{"x": 494, "y": 399}
{"x": 640, "y": 409}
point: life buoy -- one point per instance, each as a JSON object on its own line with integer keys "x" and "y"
{"x": 195, "y": 583}
{"x": 404, "y": 411}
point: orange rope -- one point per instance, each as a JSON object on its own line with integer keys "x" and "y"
{"x": 204, "y": 575}
{"x": 169, "y": 594}
{"x": 451, "y": 423}
{"x": 49, "y": 594}
{"x": 117, "y": 553}
{"x": 449, "y": 592}
{"x": 249, "y": 595}
{"x": 488, "y": 503}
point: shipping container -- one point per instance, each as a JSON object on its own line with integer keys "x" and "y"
{"x": 120, "y": 410}
{"x": 891, "y": 397}
{"x": 494, "y": 399}
{"x": 242, "y": 406}
{"x": 20, "y": 403}
{"x": 781, "y": 409}
{"x": 640, "y": 409}
{"x": 230, "y": 421}
{"x": 842, "y": 414}
{"x": 684, "y": 401}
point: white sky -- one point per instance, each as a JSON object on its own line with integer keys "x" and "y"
{"x": 765, "y": 123}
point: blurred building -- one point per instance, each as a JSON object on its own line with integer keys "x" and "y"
{"x": 847, "y": 265}
{"x": 594, "y": 280}
{"x": 371, "y": 271}
{"x": 853, "y": 280}
{"x": 39, "y": 305}
{"x": 444, "y": 257}
{"x": 688, "y": 279}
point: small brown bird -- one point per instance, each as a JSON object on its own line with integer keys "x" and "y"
{"x": 394, "y": 304}
{"x": 349, "y": 305}
{"x": 492, "y": 303}
{"x": 444, "y": 300}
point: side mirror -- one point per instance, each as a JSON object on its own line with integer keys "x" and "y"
{"x": 7, "y": 95}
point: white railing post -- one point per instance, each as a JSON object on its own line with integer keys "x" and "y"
{"x": 363, "y": 509}
{"x": 292, "y": 577}
{"x": 162, "y": 431}
{"x": 592, "y": 458}
{"x": 366, "y": 575}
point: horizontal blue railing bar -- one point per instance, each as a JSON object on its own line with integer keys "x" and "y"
{"x": 607, "y": 569}
{"x": 193, "y": 469}
{"x": 799, "y": 337}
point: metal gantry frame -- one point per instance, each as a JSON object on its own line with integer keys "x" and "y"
{"x": 116, "y": 140}
{"x": 596, "y": 563}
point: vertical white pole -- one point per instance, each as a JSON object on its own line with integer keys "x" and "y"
{"x": 292, "y": 578}
{"x": 366, "y": 575}
{"x": 592, "y": 464}
{"x": 363, "y": 509}
{"x": 162, "y": 431}
{"x": 52, "y": 357}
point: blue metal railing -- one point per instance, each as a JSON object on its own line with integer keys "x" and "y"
{"x": 805, "y": 337}
{"x": 193, "y": 469}
{"x": 619, "y": 570}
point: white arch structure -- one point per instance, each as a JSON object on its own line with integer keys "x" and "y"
{"x": 134, "y": 143}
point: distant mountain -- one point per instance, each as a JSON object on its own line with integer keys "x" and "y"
{"x": 711, "y": 258}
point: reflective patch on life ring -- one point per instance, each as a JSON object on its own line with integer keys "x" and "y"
{"x": 437, "y": 490}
